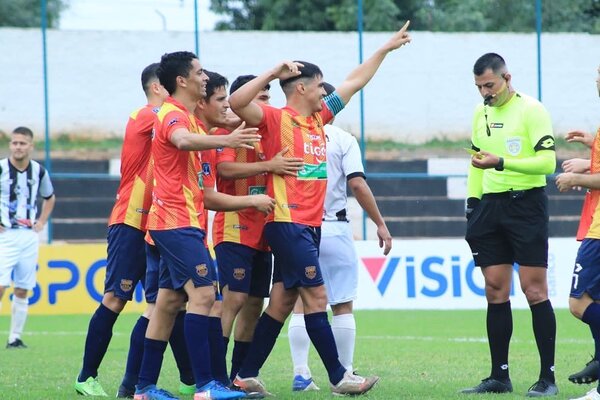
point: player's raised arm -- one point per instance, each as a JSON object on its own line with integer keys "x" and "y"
{"x": 362, "y": 74}
{"x": 241, "y": 101}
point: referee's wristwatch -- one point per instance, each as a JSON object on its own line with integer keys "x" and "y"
{"x": 500, "y": 165}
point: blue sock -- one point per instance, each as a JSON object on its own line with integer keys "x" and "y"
{"x": 265, "y": 335}
{"x": 136, "y": 353}
{"x": 218, "y": 351}
{"x": 179, "y": 348}
{"x": 591, "y": 316}
{"x": 196, "y": 337}
{"x": 97, "y": 341}
{"x": 240, "y": 349}
{"x": 154, "y": 351}
{"x": 321, "y": 336}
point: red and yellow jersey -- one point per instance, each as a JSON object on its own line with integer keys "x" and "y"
{"x": 299, "y": 198}
{"x": 134, "y": 195}
{"x": 589, "y": 224}
{"x": 177, "y": 197}
{"x": 243, "y": 226}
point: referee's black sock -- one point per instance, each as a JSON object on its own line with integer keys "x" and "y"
{"x": 544, "y": 329}
{"x": 499, "y": 329}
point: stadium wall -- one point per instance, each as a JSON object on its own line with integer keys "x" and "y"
{"x": 417, "y": 274}
{"x": 422, "y": 91}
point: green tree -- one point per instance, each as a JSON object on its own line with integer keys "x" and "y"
{"x": 28, "y": 13}
{"x": 425, "y": 15}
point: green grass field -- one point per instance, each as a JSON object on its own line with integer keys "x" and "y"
{"x": 418, "y": 354}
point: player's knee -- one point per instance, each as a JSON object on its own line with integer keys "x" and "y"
{"x": 535, "y": 293}
{"x": 342, "y": 308}
{"x": 113, "y": 303}
{"x": 577, "y": 306}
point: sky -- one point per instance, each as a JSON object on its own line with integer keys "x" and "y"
{"x": 138, "y": 15}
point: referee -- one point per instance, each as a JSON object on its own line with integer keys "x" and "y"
{"x": 507, "y": 217}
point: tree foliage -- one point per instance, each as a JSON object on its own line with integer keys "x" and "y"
{"x": 28, "y": 13}
{"x": 426, "y": 15}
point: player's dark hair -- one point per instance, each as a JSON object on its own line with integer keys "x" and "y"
{"x": 329, "y": 88}
{"x": 215, "y": 81}
{"x": 148, "y": 75}
{"x": 173, "y": 65}
{"x": 491, "y": 61}
{"x": 308, "y": 70}
{"x": 242, "y": 80}
{"x": 22, "y": 130}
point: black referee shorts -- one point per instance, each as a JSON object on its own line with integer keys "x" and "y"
{"x": 510, "y": 227}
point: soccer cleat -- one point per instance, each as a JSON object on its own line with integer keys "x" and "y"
{"x": 588, "y": 374}
{"x": 542, "y": 388}
{"x": 151, "y": 392}
{"x": 125, "y": 392}
{"x": 591, "y": 395}
{"x": 251, "y": 385}
{"x": 17, "y": 344}
{"x": 186, "y": 389}
{"x": 303, "y": 385}
{"x": 214, "y": 390}
{"x": 91, "y": 387}
{"x": 490, "y": 385}
{"x": 250, "y": 395}
{"x": 353, "y": 384}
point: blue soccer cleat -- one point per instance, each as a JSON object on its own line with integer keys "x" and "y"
{"x": 302, "y": 384}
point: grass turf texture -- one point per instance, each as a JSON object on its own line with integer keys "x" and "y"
{"x": 418, "y": 354}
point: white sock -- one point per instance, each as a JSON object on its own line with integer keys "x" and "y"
{"x": 344, "y": 331}
{"x": 299, "y": 345}
{"x": 18, "y": 318}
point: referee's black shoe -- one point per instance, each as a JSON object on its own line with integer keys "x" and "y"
{"x": 125, "y": 392}
{"x": 490, "y": 385}
{"x": 17, "y": 344}
{"x": 588, "y": 374}
{"x": 542, "y": 388}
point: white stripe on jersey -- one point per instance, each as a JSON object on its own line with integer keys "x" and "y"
{"x": 18, "y": 193}
{"x": 343, "y": 159}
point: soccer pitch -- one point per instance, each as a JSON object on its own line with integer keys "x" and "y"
{"x": 417, "y": 354}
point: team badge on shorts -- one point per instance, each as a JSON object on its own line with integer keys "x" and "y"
{"x": 202, "y": 270}
{"x": 126, "y": 285}
{"x": 239, "y": 273}
{"x": 310, "y": 272}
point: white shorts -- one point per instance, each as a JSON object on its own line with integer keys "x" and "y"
{"x": 19, "y": 253}
{"x": 338, "y": 260}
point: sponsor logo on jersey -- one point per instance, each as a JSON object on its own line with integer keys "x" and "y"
{"x": 173, "y": 121}
{"x": 496, "y": 125}
{"x": 252, "y": 190}
{"x": 206, "y": 168}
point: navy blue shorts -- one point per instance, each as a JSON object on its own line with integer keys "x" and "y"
{"x": 151, "y": 281}
{"x": 586, "y": 273}
{"x": 296, "y": 251}
{"x": 244, "y": 269}
{"x": 183, "y": 257}
{"x": 126, "y": 260}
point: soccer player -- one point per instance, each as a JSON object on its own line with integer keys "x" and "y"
{"x": 293, "y": 230}
{"x": 176, "y": 226}
{"x": 337, "y": 256}
{"x": 212, "y": 112}
{"x": 21, "y": 180}
{"x": 243, "y": 256}
{"x": 126, "y": 262}
{"x": 507, "y": 217}
{"x": 585, "y": 290}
